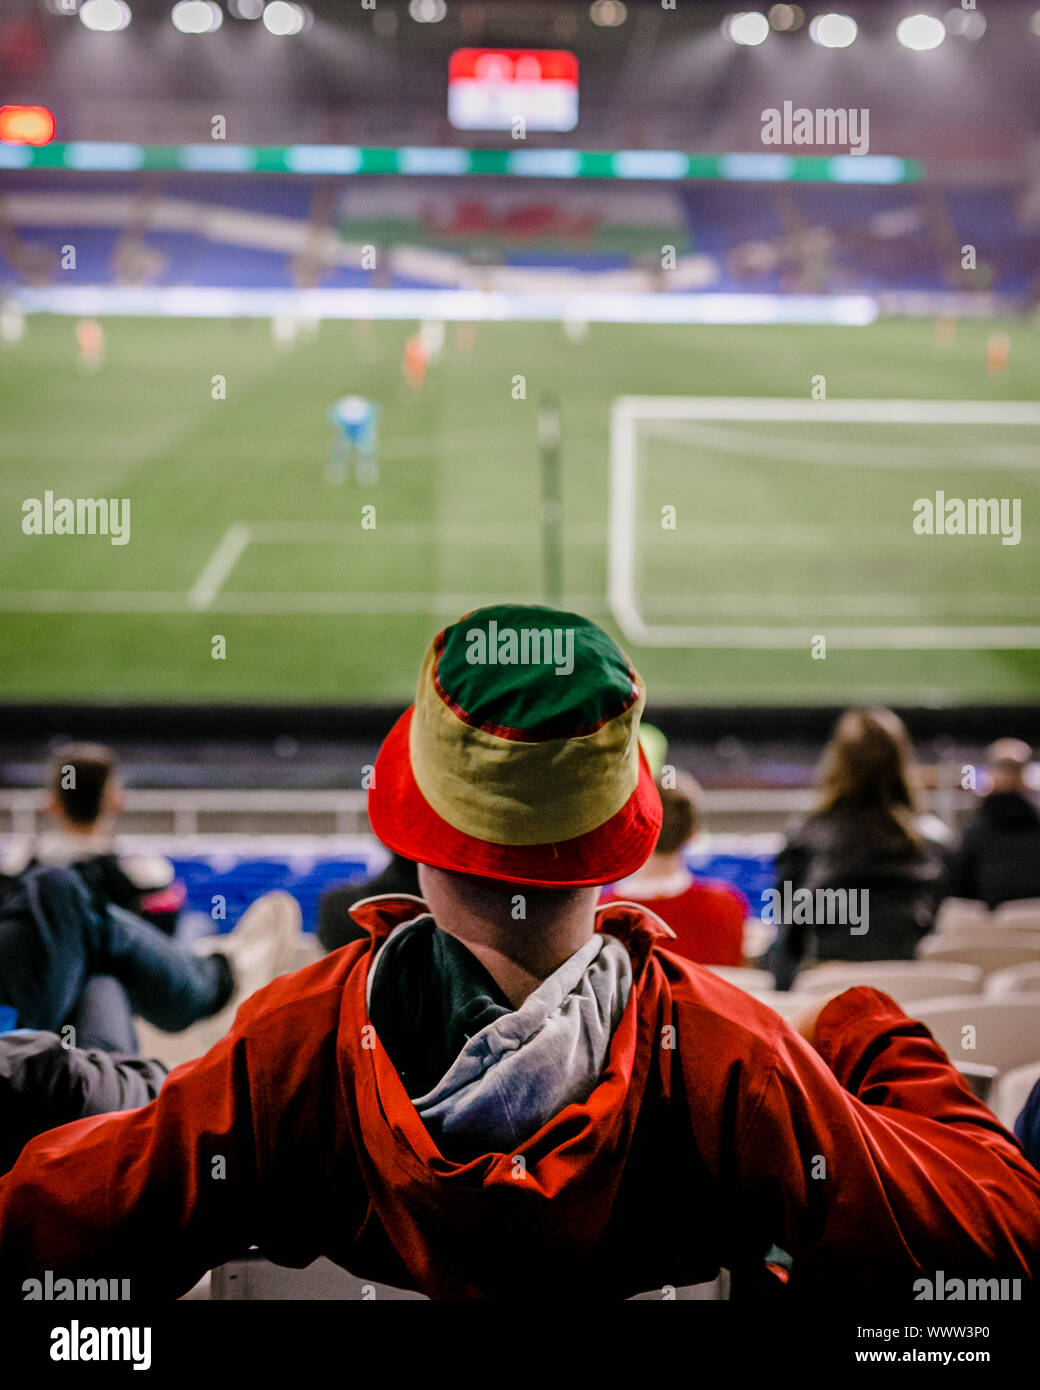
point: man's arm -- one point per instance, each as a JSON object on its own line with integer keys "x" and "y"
{"x": 156, "y": 1195}
{"x": 44, "y": 1084}
{"x": 235, "y": 1151}
{"x": 893, "y": 1174}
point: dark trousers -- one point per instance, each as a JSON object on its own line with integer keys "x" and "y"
{"x": 67, "y": 958}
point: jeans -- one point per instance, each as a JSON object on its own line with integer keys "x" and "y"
{"x": 68, "y": 958}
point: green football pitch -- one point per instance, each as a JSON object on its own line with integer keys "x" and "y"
{"x": 746, "y": 538}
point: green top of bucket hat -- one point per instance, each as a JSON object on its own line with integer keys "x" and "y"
{"x": 529, "y": 672}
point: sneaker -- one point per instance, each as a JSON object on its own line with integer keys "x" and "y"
{"x": 262, "y": 943}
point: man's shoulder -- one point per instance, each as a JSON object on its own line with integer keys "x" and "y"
{"x": 722, "y": 1007}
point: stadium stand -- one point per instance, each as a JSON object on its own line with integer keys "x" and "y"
{"x": 204, "y": 231}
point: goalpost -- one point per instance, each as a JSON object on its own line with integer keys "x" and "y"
{"x": 688, "y": 421}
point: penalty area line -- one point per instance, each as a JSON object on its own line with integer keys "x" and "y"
{"x": 219, "y": 565}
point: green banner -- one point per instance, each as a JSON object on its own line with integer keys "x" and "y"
{"x": 448, "y": 161}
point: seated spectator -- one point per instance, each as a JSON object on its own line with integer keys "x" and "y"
{"x": 1027, "y": 1127}
{"x": 999, "y": 855}
{"x": 44, "y": 1084}
{"x": 507, "y": 1091}
{"x": 864, "y": 837}
{"x": 70, "y": 958}
{"x": 86, "y": 797}
{"x": 706, "y": 914}
{"x": 336, "y": 927}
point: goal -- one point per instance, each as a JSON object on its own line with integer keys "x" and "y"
{"x": 764, "y": 523}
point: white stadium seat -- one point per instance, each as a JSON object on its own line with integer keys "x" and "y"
{"x": 786, "y": 1002}
{"x": 961, "y": 912}
{"x": 1005, "y": 1032}
{"x": 1012, "y": 1091}
{"x": 1023, "y": 912}
{"x": 253, "y": 1277}
{"x": 981, "y": 949}
{"x": 1015, "y": 979}
{"x": 905, "y": 980}
{"x": 754, "y": 981}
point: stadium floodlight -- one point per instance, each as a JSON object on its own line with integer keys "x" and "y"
{"x": 197, "y": 16}
{"x": 105, "y": 16}
{"x": 608, "y": 14}
{"x": 427, "y": 11}
{"x": 246, "y": 9}
{"x": 833, "y": 30}
{"x": 966, "y": 24}
{"x": 283, "y": 18}
{"x": 920, "y": 32}
{"x": 784, "y": 18}
{"x": 748, "y": 28}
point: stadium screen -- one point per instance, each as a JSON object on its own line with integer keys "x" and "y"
{"x": 497, "y": 88}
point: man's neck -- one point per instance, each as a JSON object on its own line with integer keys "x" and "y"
{"x": 518, "y": 954}
{"x": 520, "y": 936}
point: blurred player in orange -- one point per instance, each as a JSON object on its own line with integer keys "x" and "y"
{"x": 998, "y": 348}
{"x": 416, "y": 360}
{"x": 90, "y": 345}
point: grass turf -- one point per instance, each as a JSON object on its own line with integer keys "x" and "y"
{"x": 338, "y": 612}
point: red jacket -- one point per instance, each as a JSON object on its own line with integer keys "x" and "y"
{"x": 714, "y": 1132}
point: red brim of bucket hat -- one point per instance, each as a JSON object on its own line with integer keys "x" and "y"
{"x": 405, "y": 822}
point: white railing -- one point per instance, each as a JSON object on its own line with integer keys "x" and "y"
{"x": 185, "y": 806}
{"x": 25, "y": 806}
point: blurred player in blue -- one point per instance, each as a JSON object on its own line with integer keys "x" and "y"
{"x": 355, "y": 422}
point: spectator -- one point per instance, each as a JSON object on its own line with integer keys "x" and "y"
{"x": 1027, "y": 1127}
{"x": 86, "y": 798}
{"x": 610, "y": 1117}
{"x": 44, "y": 1084}
{"x": 68, "y": 958}
{"x": 706, "y": 914}
{"x": 336, "y": 927}
{"x": 864, "y": 837}
{"x": 999, "y": 855}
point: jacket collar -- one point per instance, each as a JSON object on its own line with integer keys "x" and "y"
{"x": 633, "y": 924}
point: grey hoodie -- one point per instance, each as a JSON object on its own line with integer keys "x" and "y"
{"x": 527, "y": 1064}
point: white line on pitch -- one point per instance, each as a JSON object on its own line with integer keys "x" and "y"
{"x": 220, "y": 564}
{"x": 411, "y": 532}
{"x": 971, "y": 639}
{"x": 274, "y": 604}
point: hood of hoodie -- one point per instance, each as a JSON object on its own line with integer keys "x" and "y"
{"x": 481, "y": 1074}
{"x": 545, "y": 1180}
